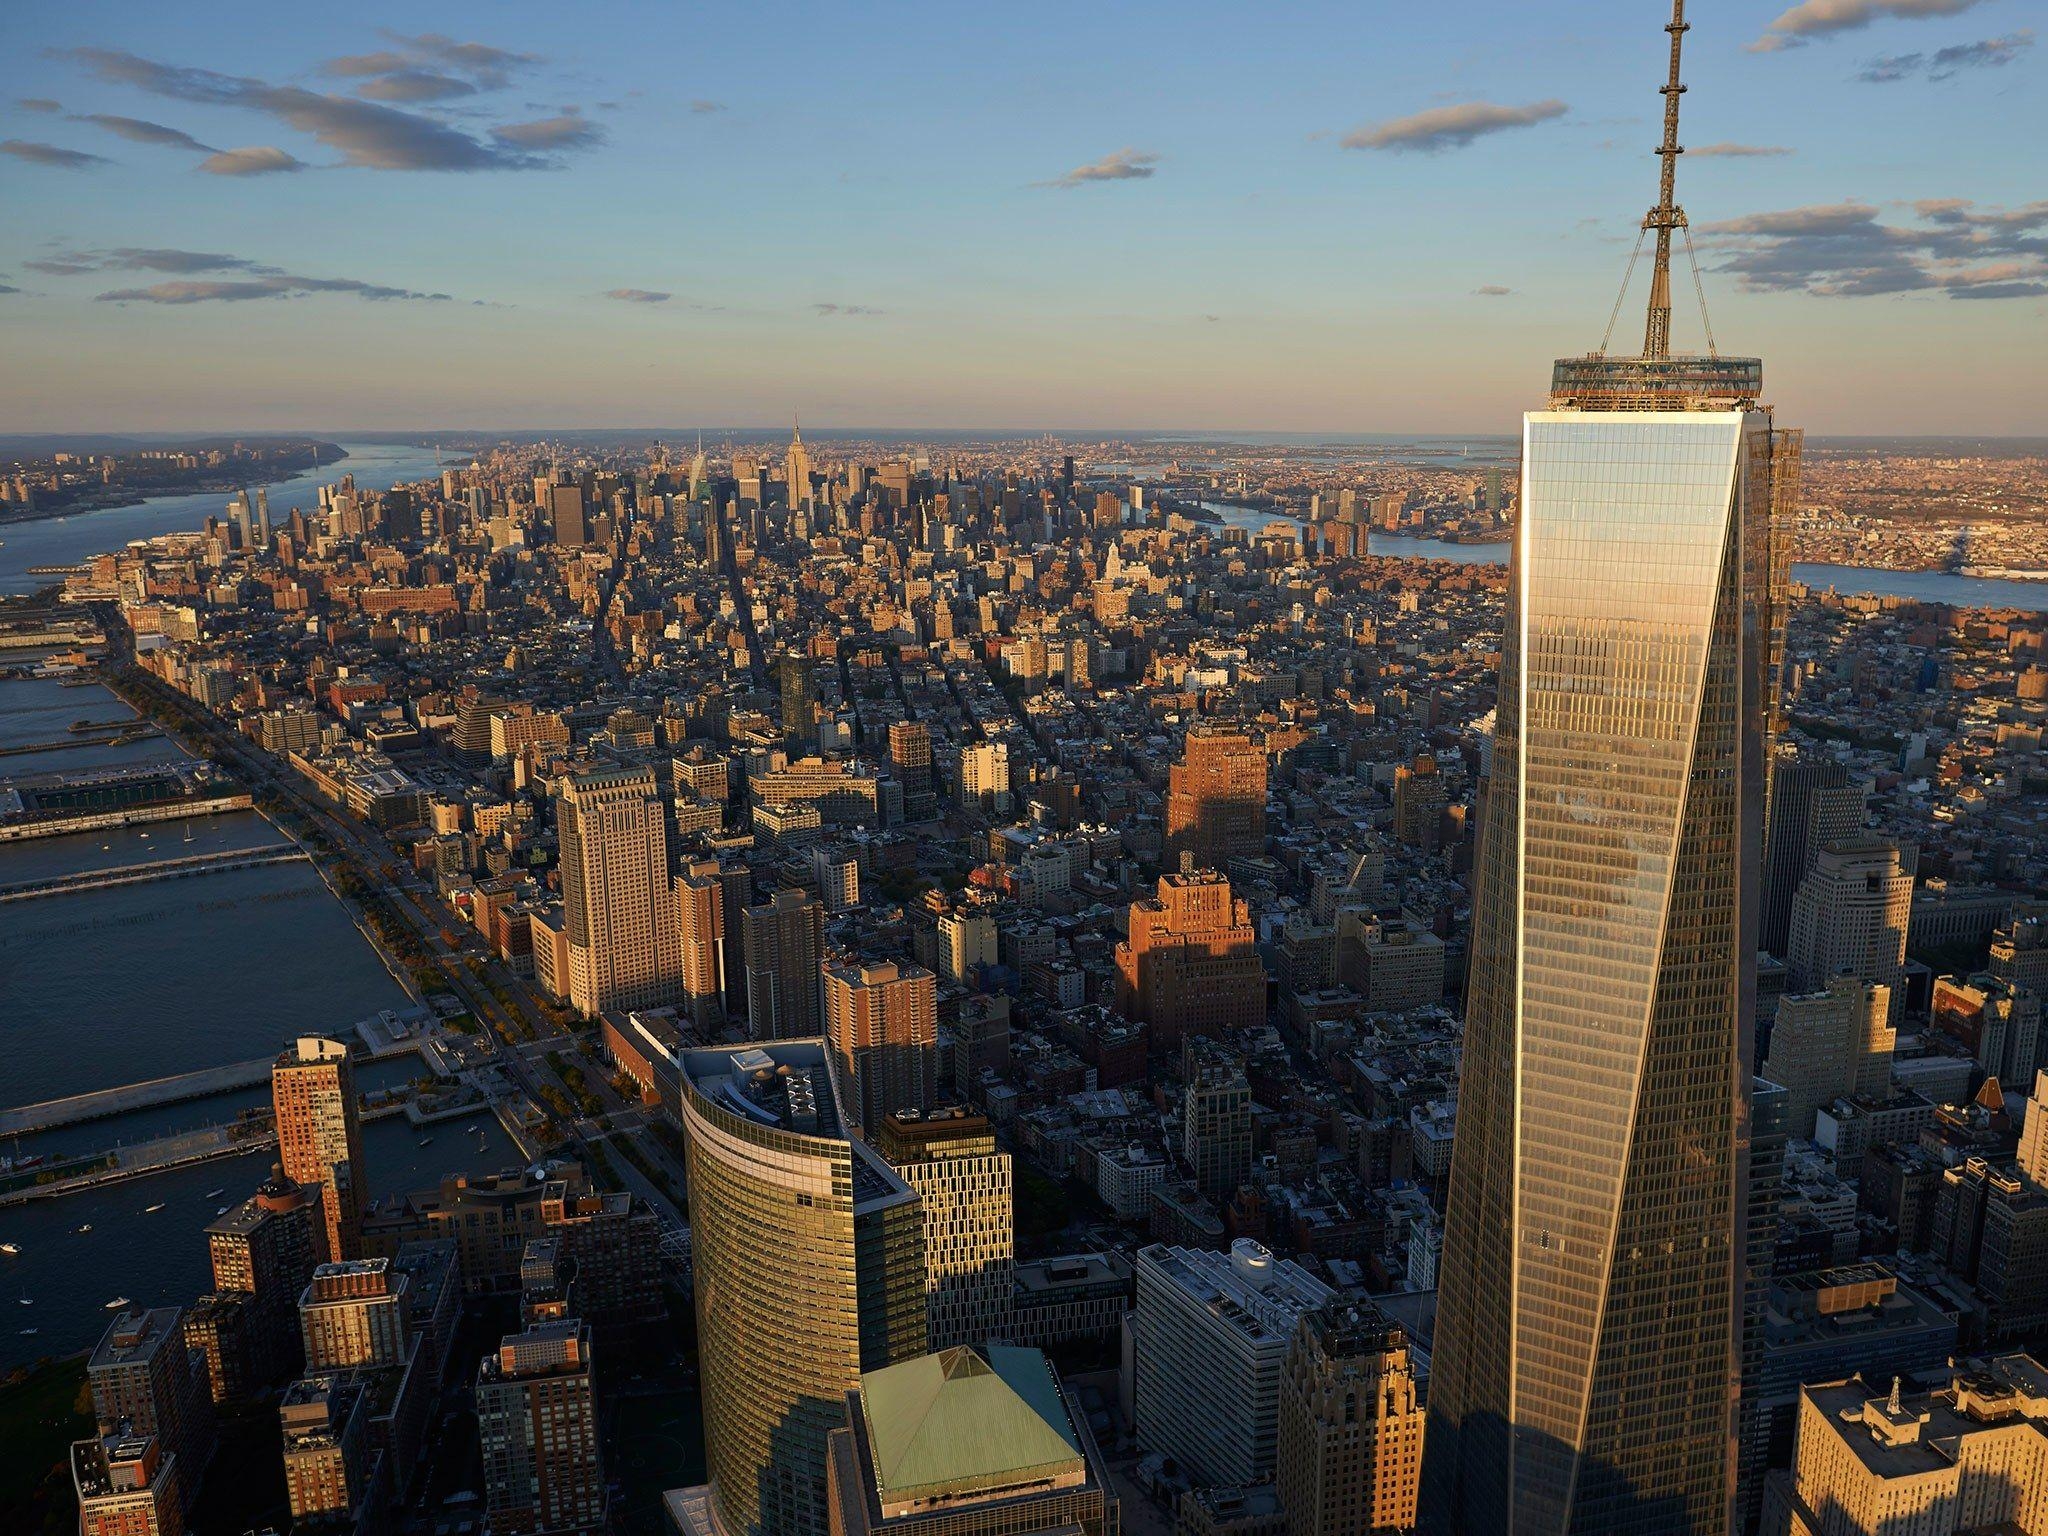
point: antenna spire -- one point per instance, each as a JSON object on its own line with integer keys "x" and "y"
{"x": 1667, "y": 215}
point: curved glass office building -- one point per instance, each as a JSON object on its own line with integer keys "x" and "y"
{"x": 809, "y": 1260}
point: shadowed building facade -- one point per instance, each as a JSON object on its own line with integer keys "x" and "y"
{"x": 1590, "y": 1326}
{"x": 1216, "y": 798}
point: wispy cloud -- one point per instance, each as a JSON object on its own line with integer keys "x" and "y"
{"x": 703, "y": 106}
{"x": 37, "y": 153}
{"x": 1819, "y": 18}
{"x": 39, "y": 104}
{"x": 283, "y": 285}
{"x": 429, "y": 67}
{"x": 253, "y": 160}
{"x": 1944, "y": 63}
{"x": 1492, "y": 291}
{"x": 142, "y": 131}
{"x": 366, "y": 134}
{"x": 571, "y": 130}
{"x": 1123, "y": 165}
{"x": 846, "y": 309}
{"x": 1845, "y": 250}
{"x": 638, "y": 295}
{"x": 414, "y": 85}
{"x": 1736, "y": 151}
{"x": 1450, "y": 127}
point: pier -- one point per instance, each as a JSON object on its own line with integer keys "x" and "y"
{"x": 143, "y": 1159}
{"x": 30, "y": 1118}
{"x": 159, "y": 869}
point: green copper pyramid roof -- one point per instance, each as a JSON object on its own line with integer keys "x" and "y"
{"x": 956, "y": 1422}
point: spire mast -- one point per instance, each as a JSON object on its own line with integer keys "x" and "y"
{"x": 1667, "y": 215}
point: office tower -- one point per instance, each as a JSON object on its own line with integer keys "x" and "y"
{"x": 2033, "y": 1153}
{"x": 320, "y": 1137}
{"x": 985, "y": 778}
{"x": 127, "y": 1486}
{"x": 146, "y": 1380}
{"x": 1587, "y": 1348}
{"x": 1831, "y": 1044}
{"x": 536, "y": 1416}
{"x": 967, "y": 939}
{"x": 1386, "y": 511}
{"x": 809, "y": 1260}
{"x": 267, "y": 1248}
{"x": 625, "y": 947}
{"x": 966, "y": 1443}
{"x": 717, "y": 541}
{"x": 2019, "y": 949}
{"x": 963, "y": 1184}
{"x": 1965, "y": 1457}
{"x": 1190, "y": 965}
{"x": 1216, "y": 1122}
{"x": 783, "y": 944}
{"x": 910, "y": 760}
{"x": 1208, "y": 1341}
{"x": 1812, "y": 803}
{"x": 1348, "y": 1461}
{"x": 354, "y": 1314}
{"x": 566, "y": 514}
{"x": 1850, "y": 915}
{"x": 331, "y": 1468}
{"x": 1390, "y": 962}
{"x": 799, "y": 706}
{"x": 883, "y": 1021}
{"x": 796, "y": 468}
{"x": 1420, "y": 796}
{"x": 1216, "y": 799}
{"x": 700, "y": 921}
{"x": 1998, "y": 1022}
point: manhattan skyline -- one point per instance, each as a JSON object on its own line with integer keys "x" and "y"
{"x": 1325, "y": 221}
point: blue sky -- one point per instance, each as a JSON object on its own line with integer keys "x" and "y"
{"x": 1057, "y": 216}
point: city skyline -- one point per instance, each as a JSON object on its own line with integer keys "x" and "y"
{"x": 1086, "y": 220}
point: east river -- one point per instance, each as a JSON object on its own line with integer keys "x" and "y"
{"x": 112, "y": 986}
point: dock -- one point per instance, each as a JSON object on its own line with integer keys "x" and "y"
{"x": 158, "y": 869}
{"x": 47, "y": 1116}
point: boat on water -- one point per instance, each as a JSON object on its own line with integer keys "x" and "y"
{"x": 223, "y": 1210}
{"x": 10, "y": 1249}
{"x": 116, "y": 1304}
{"x": 426, "y": 1141}
{"x": 151, "y": 1210}
{"x": 86, "y": 1228}
{"x": 215, "y": 1194}
{"x": 25, "y": 1301}
{"x": 26, "y": 1332}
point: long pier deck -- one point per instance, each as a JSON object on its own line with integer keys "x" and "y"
{"x": 156, "y": 869}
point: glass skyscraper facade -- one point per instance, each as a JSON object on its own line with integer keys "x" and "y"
{"x": 1589, "y": 1332}
{"x": 808, "y": 1252}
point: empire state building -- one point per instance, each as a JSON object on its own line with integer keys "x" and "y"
{"x": 1590, "y": 1332}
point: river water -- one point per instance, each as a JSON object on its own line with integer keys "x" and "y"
{"x": 1848, "y": 580}
{"x": 105, "y": 987}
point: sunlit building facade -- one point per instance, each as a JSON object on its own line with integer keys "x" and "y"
{"x": 1589, "y": 1333}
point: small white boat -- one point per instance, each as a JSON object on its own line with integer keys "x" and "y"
{"x": 26, "y": 1332}
{"x": 223, "y": 1210}
{"x": 26, "y": 1301}
{"x": 10, "y": 1249}
{"x": 116, "y": 1304}
{"x": 86, "y": 1228}
{"x": 151, "y": 1210}
{"x": 215, "y": 1194}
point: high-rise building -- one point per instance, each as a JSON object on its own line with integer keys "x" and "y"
{"x": 796, "y": 468}
{"x": 985, "y": 778}
{"x": 1216, "y": 798}
{"x": 127, "y": 1486}
{"x": 809, "y": 1260}
{"x": 536, "y": 1415}
{"x": 267, "y": 1248}
{"x": 1965, "y": 1457}
{"x": 353, "y": 1314}
{"x": 2019, "y": 950}
{"x": 1588, "y": 1343}
{"x": 963, "y": 1183}
{"x": 1828, "y": 1045}
{"x": 1850, "y": 915}
{"x": 910, "y": 760}
{"x": 332, "y": 1470}
{"x": 882, "y": 1018}
{"x": 799, "y": 703}
{"x": 966, "y": 1443}
{"x": 1209, "y": 1341}
{"x": 1999, "y": 1023}
{"x": 319, "y": 1135}
{"x": 566, "y": 513}
{"x": 1812, "y": 803}
{"x": 1190, "y": 965}
{"x": 783, "y": 942}
{"x": 1216, "y": 1122}
{"x": 625, "y": 942}
{"x": 1349, "y": 1455}
{"x": 700, "y": 924}
{"x": 146, "y": 1379}
{"x": 1420, "y": 796}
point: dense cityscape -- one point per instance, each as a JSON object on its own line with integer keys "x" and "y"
{"x": 812, "y": 982}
